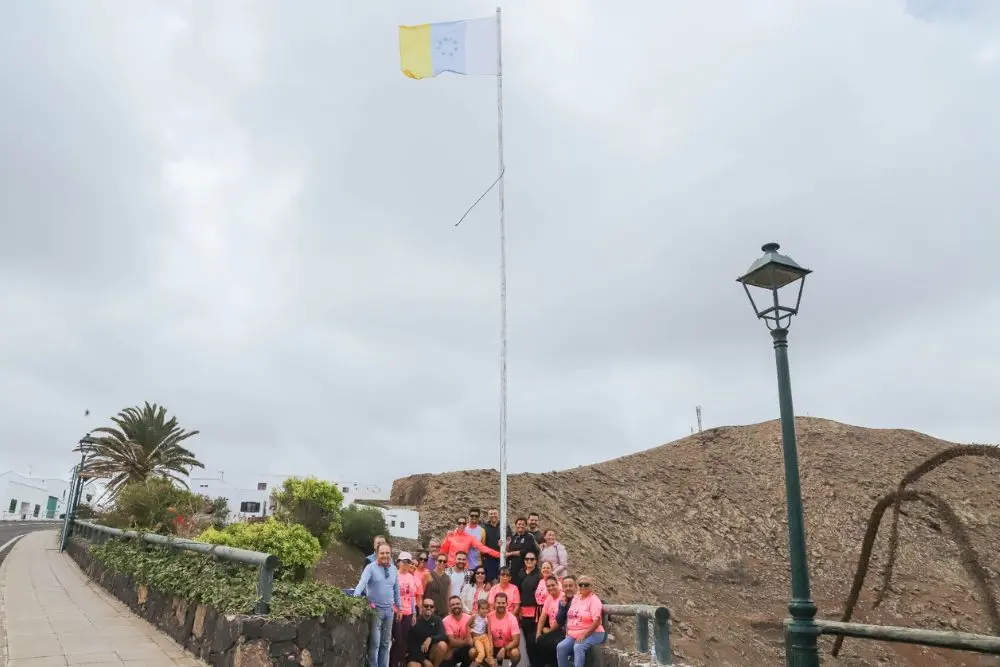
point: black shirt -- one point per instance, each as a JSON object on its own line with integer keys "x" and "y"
{"x": 522, "y": 544}
{"x": 493, "y": 536}
{"x": 527, "y": 584}
{"x": 537, "y": 534}
{"x": 563, "y": 611}
{"x": 422, "y": 629}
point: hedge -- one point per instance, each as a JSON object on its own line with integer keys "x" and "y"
{"x": 227, "y": 587}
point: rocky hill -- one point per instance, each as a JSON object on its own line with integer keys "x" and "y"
{"x": 699, "y": 526}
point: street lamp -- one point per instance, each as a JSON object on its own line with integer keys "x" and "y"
{"x": 768, "y": 276}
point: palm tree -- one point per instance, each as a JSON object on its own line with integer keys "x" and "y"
{"x": 145, "y": 444}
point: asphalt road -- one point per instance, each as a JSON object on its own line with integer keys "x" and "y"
{"x": 11, "y": 529}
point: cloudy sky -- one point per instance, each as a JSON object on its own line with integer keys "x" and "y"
{"x": 243, "y": 211}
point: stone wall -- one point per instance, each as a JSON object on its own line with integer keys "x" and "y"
{"x": 231, "y": 640}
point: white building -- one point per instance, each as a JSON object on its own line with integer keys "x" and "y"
{"x": 400, "y": 521}
{"x": 24, "y": 498}
{"x": 252, "y": 497}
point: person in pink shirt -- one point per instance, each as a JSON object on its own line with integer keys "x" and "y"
{"x": 456, "y": 625}
{"x": 542, "y": 592}
{"x": 505, "y": 631}
{"x": 407, "y": 608}
{"x": 554, "y": 552}
{"x": 584, "y": 625}
{"x": 549, "y": 633}
{"x": 510, "y": 592}
{"x": 459, "y": 541}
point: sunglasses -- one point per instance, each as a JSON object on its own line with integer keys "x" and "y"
{"x": 480, "y": 572}
{"x": 421, "y": 558}
{"x": 428, "y": 606}
{"x": 584, "y": 584}
{"x": 442, "y": 560}
{"x": 529, "y": 559}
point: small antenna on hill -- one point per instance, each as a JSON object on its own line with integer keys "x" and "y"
{"x": 697, "y": 412}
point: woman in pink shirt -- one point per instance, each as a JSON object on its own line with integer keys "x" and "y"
{"x": 542, "y": 592}
{"x": 584, "y": 627}
{"x": 407, "y": 607}
{"x": 509, "y": 590}
{"x": 554, "y": 552}
{"x": 549, "y": 633}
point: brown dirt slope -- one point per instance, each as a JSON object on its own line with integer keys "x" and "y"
{"x": 699, "y": 525}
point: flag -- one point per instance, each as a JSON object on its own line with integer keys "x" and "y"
{"x": 462, "y": 47}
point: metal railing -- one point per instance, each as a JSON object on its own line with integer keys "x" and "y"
{"x": 644, "y": 615}
{"x": 266, "y": 563}
{"x": 962, "y": 641}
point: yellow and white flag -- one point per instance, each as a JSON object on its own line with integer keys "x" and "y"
{"x": 461, "y": 47}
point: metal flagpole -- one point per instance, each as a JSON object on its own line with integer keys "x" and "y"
{"x": 503, "y": 306}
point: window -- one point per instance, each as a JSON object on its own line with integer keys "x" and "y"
{"x": 203, "y": 486}
{"x": 393, "y": 523}
{"x": 345, "y": 489}
{"x": 402, "y": 524}
{"x": 90, "y": 497}
{"x": 262, "y": 486}
{"x": 38, "y": 508}
{"x": 13, "y": 505}
{"x": 249, "y": 507}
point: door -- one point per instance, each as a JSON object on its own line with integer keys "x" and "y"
{"x": 50, "y": 507}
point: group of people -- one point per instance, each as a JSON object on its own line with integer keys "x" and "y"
{"x": 454, "y": 605}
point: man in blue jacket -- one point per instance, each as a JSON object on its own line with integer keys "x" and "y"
{"x": 380, "y": 584}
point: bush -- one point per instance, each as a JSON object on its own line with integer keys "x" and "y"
{"x": 230, "y": 588}
{"x": 312, "y": 503}
{"x": 361, "y": 524}
{"x": 219, "y": 509}
{"x": 298, "y": 550}
{"x": 155, "y": 505}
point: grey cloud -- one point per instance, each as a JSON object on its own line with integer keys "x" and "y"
{"x": 280, "y": 267}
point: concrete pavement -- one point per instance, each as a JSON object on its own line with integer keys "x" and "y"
{"x": 52, "y": 615}
{"x": 10, "y": 530}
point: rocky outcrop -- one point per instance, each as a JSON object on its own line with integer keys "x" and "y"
{"x": 699, "y": 525}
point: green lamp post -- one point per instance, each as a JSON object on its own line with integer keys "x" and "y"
{"x": 768, "y": 275}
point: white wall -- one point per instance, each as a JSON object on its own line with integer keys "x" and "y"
{"x": 399, "y": 521}
{"x": 27, "y": 493}
{"x": 246, "y": 490}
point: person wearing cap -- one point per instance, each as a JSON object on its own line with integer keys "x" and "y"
{"x": 407, "y": 609}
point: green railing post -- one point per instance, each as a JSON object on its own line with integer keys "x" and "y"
{"x": 662, "y": 654}
{"x": 642, "y": 632}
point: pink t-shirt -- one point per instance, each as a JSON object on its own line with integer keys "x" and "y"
{"x": 582, "y": 614}
{"x": 551, "y": 609}
{"x": 503, "y": 629}
{"x": 407, "y": 593}
{"x": 542, "y": 592}
{"x": 513, "y": 595}
{"x": 457, "y": 628}
{"x": 419, "y": 575}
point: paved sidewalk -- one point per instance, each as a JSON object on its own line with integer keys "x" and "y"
{"x": 53, "y": 615}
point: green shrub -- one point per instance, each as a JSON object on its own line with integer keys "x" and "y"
{"x": 298, "y": 550}
{"x": 310, "y": 502}
{"x": 156, "y": 505}
{"x": 219, "y": 509}
{"x": 361, "y": 524}
{"x": 230, "y": 588}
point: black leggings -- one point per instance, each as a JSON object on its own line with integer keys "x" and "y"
{"x": 545, "y": 648}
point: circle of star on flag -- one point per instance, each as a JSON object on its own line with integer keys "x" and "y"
{"x": 447, "y": 46}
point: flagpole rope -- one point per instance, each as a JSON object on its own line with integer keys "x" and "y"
{"x": 503, "y": 304}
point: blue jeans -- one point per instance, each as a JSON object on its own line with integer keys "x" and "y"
{"x": 578, "y": 649}
{"x": 379, "y": 637}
